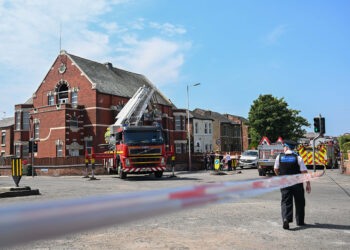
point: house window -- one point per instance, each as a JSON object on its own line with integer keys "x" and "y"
{"x": 51, "y": 100}
{"x": 178, "y": 148}
{"x": 59, "y": 150}
{"x": 88, "y": 146}
{"x": 74, "y": 98}
{"x": 25, "y": 149}
{"x": 74, "y": 152}
{"x": 237, "y": 132}
{"x": 18, "y": 150}
{"x": 2, "y": 153}
{"x": 224, "y": 131}
{"x": 177, "y": 123}
{"x": 3, "y": 137}
{"x": 209, "y": 128}
{"x": 26, "y": 122}
{"x": 183, "y": 123}
{"x": 36, "y": 131}
{"x": 73, "y": 123}
{"x": 206, "y": 147}
{"x": 63, "y": 94}
{"x": 196, "y": 127}
{"x": 205, "y": 128}
{"x": 18, "y": 121}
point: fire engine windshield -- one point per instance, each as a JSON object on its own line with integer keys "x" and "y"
{"x": 143, "y": 137}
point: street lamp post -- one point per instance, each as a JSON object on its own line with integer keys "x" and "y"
{"x": 188, "y": 126}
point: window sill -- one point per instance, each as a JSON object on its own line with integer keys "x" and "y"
{"x": 3, "y": 145}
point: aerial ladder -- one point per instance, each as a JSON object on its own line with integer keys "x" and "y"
{"x": 145, "y": 152}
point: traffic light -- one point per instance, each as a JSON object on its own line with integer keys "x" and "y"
{"x": 317, "y": 124}
{"x": 323, "y": 125}
{"x": 35, "y": 147}
{"x": 320, "y": 125}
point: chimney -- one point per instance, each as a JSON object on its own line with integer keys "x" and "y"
{"x": 108, "y": 65}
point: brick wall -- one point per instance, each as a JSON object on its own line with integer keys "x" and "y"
{"x": 94, "y": 113}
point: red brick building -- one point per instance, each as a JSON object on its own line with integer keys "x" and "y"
{"x": 245, "y": 137}
{"x": 76, "y": 102}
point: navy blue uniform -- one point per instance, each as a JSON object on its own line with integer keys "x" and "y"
{"x": 288, "y": 165}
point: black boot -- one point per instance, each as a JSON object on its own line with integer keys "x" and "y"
{"x": 285, "y": 224}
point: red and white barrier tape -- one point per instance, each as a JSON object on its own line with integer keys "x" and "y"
{"x": 21, "y": 224}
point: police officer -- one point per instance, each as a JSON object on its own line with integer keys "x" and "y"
{"x": 289, "y": 163}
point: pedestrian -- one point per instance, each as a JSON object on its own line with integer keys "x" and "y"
{"x": 289, "y": 163}
{"x": 212, "y": 159}
{"x": 205, "y": 162}
{"x": 228, "y": 161}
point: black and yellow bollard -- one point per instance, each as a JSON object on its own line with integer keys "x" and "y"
{"x": 173, "y": 166}
{"x": 16, "y": 170}
{"x": 92, "y": 169}
{"x": 86, "y": 164}
{"x": 86, "y": 168}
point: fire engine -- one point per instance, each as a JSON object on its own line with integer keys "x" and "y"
{"x": 325, "y": 155}
{"x": 133, "y": 147}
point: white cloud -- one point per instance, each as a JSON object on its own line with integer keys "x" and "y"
{"x": 113, "y": 28}
{"x": 29, "y": 43}
{"x": 139, "y": 24}
{"x": 168, "y": 28}
{"x": 160, "y": 60}
{"x": 275, "y": 34}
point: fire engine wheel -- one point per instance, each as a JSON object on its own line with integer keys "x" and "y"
{"x": 121, "y": 173}
{"x": 158, "y": 174}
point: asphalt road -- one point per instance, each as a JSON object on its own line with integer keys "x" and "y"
{"x": 253, "y": 223}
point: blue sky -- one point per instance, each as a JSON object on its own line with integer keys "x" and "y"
{"x": 237, "y": 50}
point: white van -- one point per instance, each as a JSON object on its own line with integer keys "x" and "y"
{"x": 249, "y": 158}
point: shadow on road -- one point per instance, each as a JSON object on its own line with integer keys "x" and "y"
{"x": 320, "y": 225}
{"x": 164, "y": 178}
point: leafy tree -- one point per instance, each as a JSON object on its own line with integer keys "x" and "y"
{"x": 344, "y": 143}
{"x": 271, "y": 117}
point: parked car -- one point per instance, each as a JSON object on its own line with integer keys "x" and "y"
{"x": 249, "y": 158}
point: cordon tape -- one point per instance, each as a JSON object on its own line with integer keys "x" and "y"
{"x": 28, "y": 222}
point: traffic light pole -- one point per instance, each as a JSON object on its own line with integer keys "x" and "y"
{"x": 33, "y": 158}
{"x": 313, "y": 143}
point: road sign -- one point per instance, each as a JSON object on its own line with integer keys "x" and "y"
{"x": 16, "y": 170}
{"x": 218, "y": 142}
{"x": 217, "y": 164}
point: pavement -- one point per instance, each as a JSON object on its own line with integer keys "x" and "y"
{"x": 253, "y": 223}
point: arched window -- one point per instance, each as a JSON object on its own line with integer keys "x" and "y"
{"x": 62, "y": 94}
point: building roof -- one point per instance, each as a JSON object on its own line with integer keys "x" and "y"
{"x": 7, "y": 122}
{"x": 214, "y": 115}
{"x": 110, "y": 80}
{"x": 241, "y": 118}
{"x": 29, "y": 101}
{"x": 199, "y": 116}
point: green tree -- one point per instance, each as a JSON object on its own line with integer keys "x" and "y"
{"x": 344, "y": 143}
{"x": 271, "y": 117}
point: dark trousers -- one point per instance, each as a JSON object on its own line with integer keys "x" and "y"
{"x": 296, "y": 191}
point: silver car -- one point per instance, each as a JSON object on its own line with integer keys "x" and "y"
{"x": 249, "y": 158}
